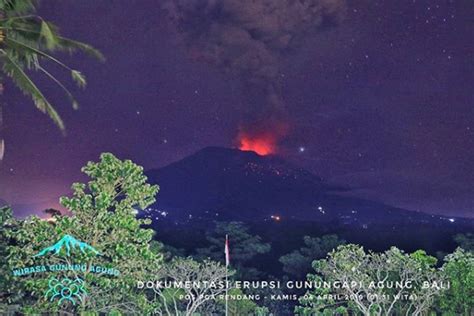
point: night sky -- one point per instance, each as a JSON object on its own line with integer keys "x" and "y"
{"x": 382, "y": 102}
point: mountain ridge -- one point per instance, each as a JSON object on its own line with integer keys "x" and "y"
{"x": 229, "y": 184}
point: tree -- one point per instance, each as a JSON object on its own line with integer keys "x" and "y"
{"x": 388, "y": 283}
{"x": 103, "y": 216}
{"x": 26, "y": 42}
{"x": 465, "y": 241}
{"x": 298, "y": 262}
{"x": 188, "y": 300}
{"x": 167, "y": 251}
{"x": 267, "y": 298}
{"x": 322, "y": 301}
{"x": 8, "y": 299}
{"x": 243, "y": 246}
{"x": 239, "y": 304}
{"x": 458, "y": 268}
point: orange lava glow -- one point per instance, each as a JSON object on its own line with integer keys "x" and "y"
{"x": 263, "y": 138}
{"x": 262, "y": 145}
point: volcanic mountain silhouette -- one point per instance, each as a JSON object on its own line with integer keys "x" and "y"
{"x": 281, "y": 202}
{"x": 68, "y": 242}
{"x": 229, "y": 184}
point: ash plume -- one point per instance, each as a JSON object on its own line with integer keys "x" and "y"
{"x": 249, "y": 38}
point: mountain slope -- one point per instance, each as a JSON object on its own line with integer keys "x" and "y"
{"x": 229, "y": 184}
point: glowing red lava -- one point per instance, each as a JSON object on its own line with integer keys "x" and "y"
{"x": 262, "y": 144}
{"x": 263, "y": 138}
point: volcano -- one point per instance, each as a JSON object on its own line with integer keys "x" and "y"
{"x": 282, "y": 203}
{"x": 230, "y": 184}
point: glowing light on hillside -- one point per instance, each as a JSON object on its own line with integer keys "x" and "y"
{"x": 276, "y": 218}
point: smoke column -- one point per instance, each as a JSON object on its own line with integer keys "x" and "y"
{"x": 248, "y": 38}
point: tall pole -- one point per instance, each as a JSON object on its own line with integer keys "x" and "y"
{"x": 226, "y": 275}
{"x": 226, "y": 294}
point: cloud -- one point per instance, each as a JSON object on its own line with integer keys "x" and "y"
{"x": 250, "y": 38}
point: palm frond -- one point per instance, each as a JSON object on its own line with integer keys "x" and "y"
{"x": 48, "y": 35}
{"x": 75, "y": 104}
{"x": 63, "y": 43}
{"x": 72, "y": 46}
{"x": 31, "y": 40}
{"x": 2, "y": 149}
{"x": 24, "y": 47}
{"x": 76, "y": 75}
{"x": 17, "y": 6}
{"x": 28, "y": 87}
{"x": 79, "y": 78}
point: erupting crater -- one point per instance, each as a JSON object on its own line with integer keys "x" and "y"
{"x": 263, "y": 145}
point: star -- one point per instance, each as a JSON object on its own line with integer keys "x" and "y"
{"x": 301, "y": 149}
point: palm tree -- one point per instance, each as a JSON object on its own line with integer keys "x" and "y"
{"x": 26, "y": 41}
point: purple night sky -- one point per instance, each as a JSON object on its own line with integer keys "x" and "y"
{"x": 382, "y": 102}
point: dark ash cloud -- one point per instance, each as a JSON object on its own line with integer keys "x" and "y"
{"x": 249, "y": 38}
